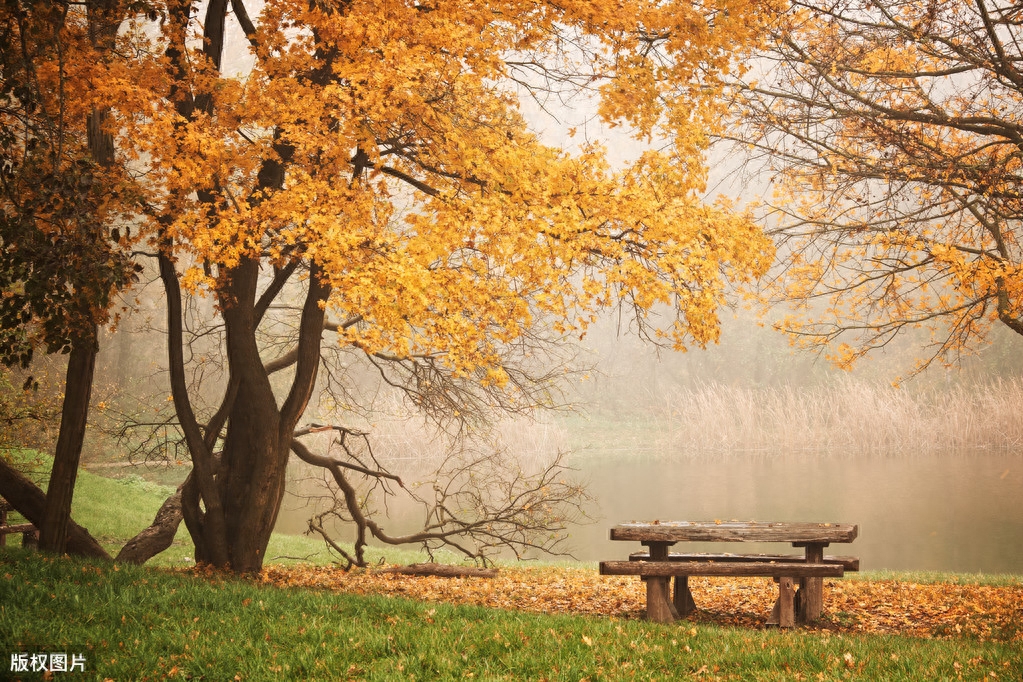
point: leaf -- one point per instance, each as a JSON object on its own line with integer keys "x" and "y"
{"x": 944, "y": 610}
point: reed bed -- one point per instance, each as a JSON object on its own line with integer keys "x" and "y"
{"x": 846, "y": 414}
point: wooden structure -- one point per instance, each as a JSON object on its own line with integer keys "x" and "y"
{"x": 657, "y": 566}
{"x": 29, "y": 533}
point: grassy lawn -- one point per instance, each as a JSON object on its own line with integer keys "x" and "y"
{"x": 135, "y": 623}
{"x": 135, "y": 503}
{"x": 147, "y": 623}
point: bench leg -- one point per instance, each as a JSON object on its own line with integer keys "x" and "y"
{"x": 811, "y": 599}
{"x": 659, "y": 608}
{"x": 682, "y": 597}
{"x": 784, "y": 612}
{"x": 811, "y": 590}
{"x": 786, "y": 607}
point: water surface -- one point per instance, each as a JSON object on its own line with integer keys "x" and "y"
{"x": 915, "y": 511}
{"x": 947, "y": 511}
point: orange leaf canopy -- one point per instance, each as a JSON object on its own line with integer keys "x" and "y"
{"x": 439, "y": 217}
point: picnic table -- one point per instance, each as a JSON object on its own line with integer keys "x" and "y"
{"x": 657, "y": 566}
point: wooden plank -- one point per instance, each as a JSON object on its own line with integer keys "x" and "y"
{"x": 690, "y": 568}
{"x": 734, "y": 531}
{"x": 19, "y": 528}
{"x": 849, "y": 563}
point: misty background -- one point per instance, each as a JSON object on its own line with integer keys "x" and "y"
{"x": 748, "y": 428}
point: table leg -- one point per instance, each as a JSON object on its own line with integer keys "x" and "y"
{"x": 786, "y": 597}
{"x": 811, "y": 590}
{"x": 682, "y": 597}
{"x": 659, "y": 608}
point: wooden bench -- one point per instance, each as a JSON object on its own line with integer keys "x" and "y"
{"x": 657, "y": 566}
{"x": 682, "y": 603}
{"x": 29, "y": 533}
{"x": 682, "y": 598}
{"x": 849, "y": 563}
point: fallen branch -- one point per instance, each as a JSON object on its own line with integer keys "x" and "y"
{"x": 442, "y": 570}
{"x": 158, "y": 536}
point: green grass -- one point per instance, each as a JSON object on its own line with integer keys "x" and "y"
{"x": 140, "y": 623}
{"x": 933, "y": 577}
{"x": 115, "y": 509}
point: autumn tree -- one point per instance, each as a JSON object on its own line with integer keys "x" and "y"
{"x": 369, "y": 157}
{"x": 61, "y": 257}
{"x": 895, "y": 133}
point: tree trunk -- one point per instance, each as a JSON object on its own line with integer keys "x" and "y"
{"x": 200, "y": 500}
{"x": 74, "y": 415}
{"x": 30, "y": 502}
{"x": 158, "y": 536}
{"x": 247, "y": 483}
{"x": 104, "y": 18}
{"x": 253, "y": 478}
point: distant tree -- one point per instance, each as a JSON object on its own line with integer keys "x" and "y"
{"x": 60, "y": 258}
{"x": 895, "y": 130}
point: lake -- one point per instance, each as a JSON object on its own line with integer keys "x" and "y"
{"x": 948, "y": 511}
{"x": 928, "y": 511}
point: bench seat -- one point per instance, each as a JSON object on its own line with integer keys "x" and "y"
{"x": 657, "y": 574}
{"x": 849, "y": 563}
{"x": 767, "y": 569}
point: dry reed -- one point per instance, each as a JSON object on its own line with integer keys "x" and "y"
{"x": 846, "y": 414}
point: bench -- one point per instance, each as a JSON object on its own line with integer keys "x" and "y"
{"x": 29, "y": 533}
{"x": 849, "y": 563}
{"x": 682, "y": 598}
{"x": 656, "y": 566}
{"x": 682, "y": 603}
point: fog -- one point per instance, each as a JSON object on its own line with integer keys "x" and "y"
{"x": 747, "y": 428}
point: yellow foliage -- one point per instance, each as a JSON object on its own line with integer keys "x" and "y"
{"x": 410, "y": 177}
{"x": 894, "y": 131}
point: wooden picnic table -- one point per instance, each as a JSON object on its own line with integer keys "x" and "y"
{"x": 658, "y": 536}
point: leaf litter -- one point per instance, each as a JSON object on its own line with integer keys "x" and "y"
{"x": 939, "y": 610}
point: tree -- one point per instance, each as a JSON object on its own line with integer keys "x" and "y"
{"x": 59, "y": 261}
{"x": 372, "y": 162}
{"x": 353, "y": 109}
{"x": 895, "y": 132}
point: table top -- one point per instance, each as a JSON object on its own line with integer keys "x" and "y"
{"x": 734, "y": 531}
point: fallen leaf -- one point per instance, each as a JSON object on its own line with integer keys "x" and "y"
{"x": 942, "y": 610}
